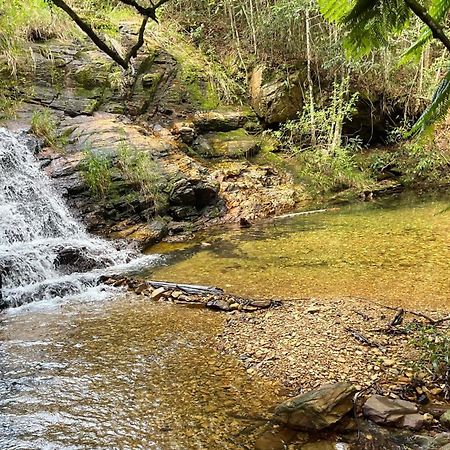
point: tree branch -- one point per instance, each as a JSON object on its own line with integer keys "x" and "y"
{"x": 86, "y": 28}
{"x": 140, "y": 42}
{"x": 422, "y": 14}
{"x": 148, "y": 13}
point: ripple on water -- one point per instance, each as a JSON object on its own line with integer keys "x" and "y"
{"x": 124, "y": 374}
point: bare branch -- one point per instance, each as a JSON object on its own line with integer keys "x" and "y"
{"x": 86, "y": 28}
{"x": 140, "y": 42}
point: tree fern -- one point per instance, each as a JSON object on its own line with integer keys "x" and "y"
{"x": 438, "y": 11}
{"x": 368, "y": 22}
{"x": 437, "y": 109}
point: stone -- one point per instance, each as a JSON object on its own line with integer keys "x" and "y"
{"x": 157, "y": 293}
{"x": 317, "y": 409}
{"x": 387, "y": 411}
{"x": 445, "y": 419}
{"x": 69, "y": 260}
{"x": 275, "y": 97}
{"x": 225, "y": 119}
{"x": 218, "y": 304}
{"x": 260, "y": 303}
{"x": 236, "y": 144}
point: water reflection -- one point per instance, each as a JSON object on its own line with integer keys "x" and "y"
{"x": 395, "y": 251}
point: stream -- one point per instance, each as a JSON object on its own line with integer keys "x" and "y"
{"x": 82, "y": 367}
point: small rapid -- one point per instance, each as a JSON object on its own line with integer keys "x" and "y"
{"x": 45, "y": 252}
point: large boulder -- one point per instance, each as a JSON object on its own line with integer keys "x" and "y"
{"x": 274, "y": 96}
{"x": 224, "y": 119}
{"x": 394, "y": 412}
{"x": 317, "y": 409}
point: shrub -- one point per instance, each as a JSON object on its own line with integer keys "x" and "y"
{"x": 434, "y": 347}
{"x": 138, "y": 167}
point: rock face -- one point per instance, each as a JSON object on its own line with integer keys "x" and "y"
{"x": 317, "y": 409}
{"x": 274, "y": 97}
{"x": 399, "y": 413}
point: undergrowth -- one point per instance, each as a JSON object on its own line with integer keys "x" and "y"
{"x": 434, "y": 356}
{"x": 139, "y": 168}
{"x": 43, "y": 125}
{"x": 96, "y": 168}
{"x": 326, "y": 162}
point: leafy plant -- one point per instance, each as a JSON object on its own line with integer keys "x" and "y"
{"x": 434, "y": 347}
{"x": 96, "y": 169}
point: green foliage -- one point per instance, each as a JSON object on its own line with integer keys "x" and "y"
{"x": 326, "y": 164}
{"x": 423, "y": 162}
{"x": 434, "y": 347}
{"x": 43, "y": 124}
{"x": 370, "y": 23}
{"x": 22, "y": 21}
{"x": 320, "y": 125}
{"x": 440, "y": 102}
{"x": 139, "y": 168}
{"x": 323, "y": 173}
{"x": 97, "y": 172}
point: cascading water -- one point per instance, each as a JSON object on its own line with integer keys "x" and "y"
{"x": 44, "y": 251}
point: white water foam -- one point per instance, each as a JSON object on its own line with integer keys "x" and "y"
{"x": 36, "y": 228}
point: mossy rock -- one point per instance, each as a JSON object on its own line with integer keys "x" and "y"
{"x": 226, "y": 119}
{"x": 237, "y": 144}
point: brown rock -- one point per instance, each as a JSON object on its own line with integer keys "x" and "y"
{"x": 386, "y": 411}
{"x": 317, "y": 409}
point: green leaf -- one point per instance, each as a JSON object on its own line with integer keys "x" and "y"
{"x": 437, "y": 109}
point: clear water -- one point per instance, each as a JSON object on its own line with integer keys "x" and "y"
{"x": 123, "y": 374}
{"x": 396, "y": 251}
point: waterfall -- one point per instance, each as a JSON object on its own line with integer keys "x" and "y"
{"x": 44, "y": 251}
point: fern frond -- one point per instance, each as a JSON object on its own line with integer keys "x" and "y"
{"x": 368, "y": 22}
{"x": 439, "y": 10}
{"x": 437, "y": 109}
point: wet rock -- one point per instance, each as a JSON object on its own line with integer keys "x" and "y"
{"x": 445, "y": 419}
{"x": 244, "y": 223}
{"x": 317, "y": 409}
{"x": 69, "y": 260}
{"x": 399, "y": 413}
{"x": 275, "y": 439}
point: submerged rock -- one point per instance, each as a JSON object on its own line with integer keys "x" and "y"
{"x": 399, "y": 413}
{"x": 317, "y": 409}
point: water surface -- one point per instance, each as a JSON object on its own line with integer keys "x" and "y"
{"x": 394, "y": 251}
{"x": 123, "y": 374}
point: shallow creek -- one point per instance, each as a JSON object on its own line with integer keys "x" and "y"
{"x": 396, "y": 251}
{"x": 123, "y": 374}
{"x": 126, "y": 373}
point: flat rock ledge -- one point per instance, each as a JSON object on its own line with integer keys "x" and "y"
{"x": 188, "y": 294}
